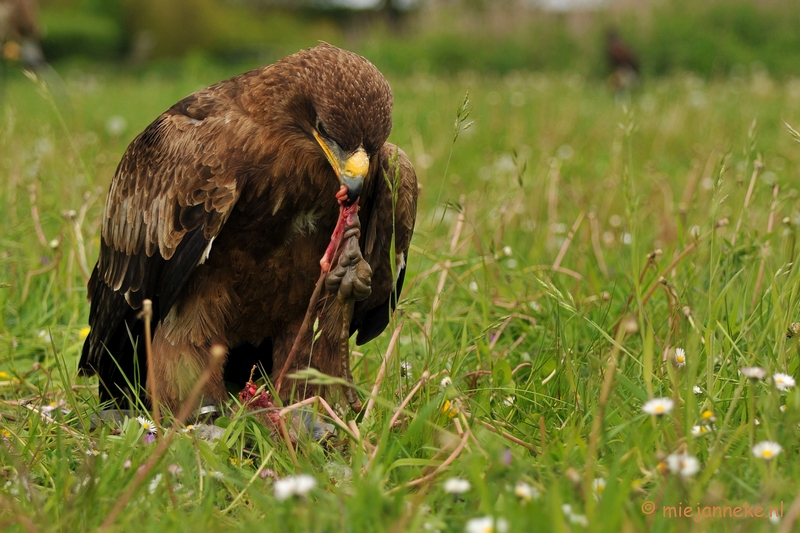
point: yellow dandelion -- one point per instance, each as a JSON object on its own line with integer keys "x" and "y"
{"x": 84, "y": 332}
{"x": 450, "y": 409}
{"x": 4, "y": 375}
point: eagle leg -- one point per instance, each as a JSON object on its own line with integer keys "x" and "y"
{"x": 351, "y": 281}
{"x": 344, "y": 358}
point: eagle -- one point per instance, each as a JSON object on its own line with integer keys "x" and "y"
{"x": 222, "y": 213}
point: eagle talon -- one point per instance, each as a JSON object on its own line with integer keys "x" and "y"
{"x": 352, "y": 276}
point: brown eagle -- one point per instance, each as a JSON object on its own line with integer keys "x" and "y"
{"x": 220, "y": 212}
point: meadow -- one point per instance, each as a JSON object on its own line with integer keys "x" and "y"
{"x": 576, "y": 254}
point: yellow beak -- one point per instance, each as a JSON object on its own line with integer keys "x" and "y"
{"x": 351, "y": 169}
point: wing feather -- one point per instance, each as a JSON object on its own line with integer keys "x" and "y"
{"x": 172, "y": 192}
{"x": 371, "y": 316}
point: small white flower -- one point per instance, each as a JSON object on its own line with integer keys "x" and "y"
{"x": 680, "y": 357}
{"x": 658, "y": 406}
{"x": 446, "y": 382}
{"x": 753, "y": 372}
{"x": 175, "y": 469}
{"x": 405, "y": 369}
{"x": 216, "y": 474}
{"x": 699, "y": 430}
{"x": 708, "y": 417}
{"x": 579, "y": 519}
{"x": 783, "y": 381}
{"x": 146, "y": 424}
{"x": 299, "y": 485}
{"x": 508, "y": 401}
{"x": 526, "y": 492}
{"x": 486, "y": 524}
{"x": 697, "y": 390}
{"x": 456, "y": 485}
{"x": 151, "y": 488}
{"x": 566, "y": 509}
{"x": 304, "y": 483}
{"x": 52, "y": 406}
{"x": 767, "y": 450}
{"x": 127, "y": 464}
{"x": 783, "y": 408}
{"x": 93, "y": 452}
{"x": 507, "y": 251}
{"x": 473, "y": 286}
{"x": 284, "y": 488}
{"x": 683, "y": 464}
{"x": 599, "y": 486}
{"x": 189, "y": 428}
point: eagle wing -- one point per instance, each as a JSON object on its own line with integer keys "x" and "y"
{"x": 395, "y": 183}
{"x": 170, "y": 196}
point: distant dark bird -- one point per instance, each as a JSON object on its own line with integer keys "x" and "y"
{"x": 220, "y": 212}
{"x": 19, "y": 33}
{"x": 622, "y": 61}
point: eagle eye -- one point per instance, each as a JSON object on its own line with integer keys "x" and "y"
{"x": 321, "y": 129}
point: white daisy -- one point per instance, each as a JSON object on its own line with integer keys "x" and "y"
{"x": 446, "y": 382}
{"x": 486, "y": 524}
{"x": 767, "y": 450}
{"x": 146, "y": 424}
{"x": 680, "y": 357}
{"x": 599, "y": 486}
{"x": 526, "y": 492}
{"x": 783, "y": 381}
{"x": 289, "y": 486}
{"x": 683, "y": 464}
{"x": 658, "y": 406}
{"x": 753, "y": 372}
{"x": 52, "y": 406}
{"x": 699, "y": 430}
{"x": 304, "y": 483}
{"x": 579, "y": 519}
{"x": 456, "y": 485}
{"x": 708, "y": 416}
{"x": 151, "y": 488}
{"x": 284, "y": 488}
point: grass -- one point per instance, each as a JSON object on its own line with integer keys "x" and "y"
{"x": 566, "y": 246}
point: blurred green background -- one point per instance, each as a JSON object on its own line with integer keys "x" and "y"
{"x": 710, "y": 38}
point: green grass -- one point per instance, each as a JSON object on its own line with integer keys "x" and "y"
{"x": 502, "y": 296}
